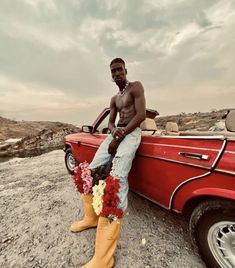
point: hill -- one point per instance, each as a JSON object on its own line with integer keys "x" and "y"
{"x": 11, "y": 129}
{"x": 195, "y": 121}
{"x": 32, "y": 137}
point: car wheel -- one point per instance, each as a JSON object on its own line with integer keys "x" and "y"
{"x": 70, "y": 161}
{"x": 212, "y": 229}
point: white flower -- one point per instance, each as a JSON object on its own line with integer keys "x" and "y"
{"x": 98, "y": 192}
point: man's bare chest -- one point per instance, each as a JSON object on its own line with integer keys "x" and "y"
{"x": 123, "y": 101}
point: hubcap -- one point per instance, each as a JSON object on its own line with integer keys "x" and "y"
{"x": 71, "y": 162}
{"x": 221, "y": 240}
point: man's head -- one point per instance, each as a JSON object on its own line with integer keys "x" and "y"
{"x": 118, "y": 71}
{"x": 117, "y": 60}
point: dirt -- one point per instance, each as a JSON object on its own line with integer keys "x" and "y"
{"x": 39, "y": 202}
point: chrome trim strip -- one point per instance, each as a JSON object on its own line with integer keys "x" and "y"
{"x": 89, "y": 145}
{"x": 224, "y": 171}
{"x": 183, "y": 182}
{"x": 93, "y": 136}
{"x": 219, "y": 154}
{"x": 159, "y": 158}
{"x": 218, "y": 137}
{"x": 229, "y": 152}
{"x": 157, "y": 203}
{"x": 178, "y": 146}
{"x": 174, "y": 161}
{"x": 177, "y": 211}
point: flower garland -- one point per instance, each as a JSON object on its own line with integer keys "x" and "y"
{"x": 82, "y": 178}
{"x": 105, "y": 199}
{"x": 98, "y": 192}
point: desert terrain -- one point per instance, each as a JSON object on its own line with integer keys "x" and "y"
{"x": 39, "y": 202}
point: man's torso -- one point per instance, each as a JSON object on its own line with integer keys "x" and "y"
{"x": 125, "y": 105}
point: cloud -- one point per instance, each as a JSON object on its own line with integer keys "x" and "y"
{"x": 57, "y": 53}
{"x": 32, "y": 102}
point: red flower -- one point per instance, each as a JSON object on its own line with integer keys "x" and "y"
{"x": 110, "y": 199}
{"x": 119, "y": 213}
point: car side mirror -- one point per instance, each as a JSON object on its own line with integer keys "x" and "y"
{"x": 87, "y": 129}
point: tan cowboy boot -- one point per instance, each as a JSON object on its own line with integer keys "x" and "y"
{"x": 107, "y": 235}
{"x": 90, "y": 218}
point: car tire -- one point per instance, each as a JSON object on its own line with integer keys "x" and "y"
{"x": 70, "y": 161}
{"x": 212, "y": 229}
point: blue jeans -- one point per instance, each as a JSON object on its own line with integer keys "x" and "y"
{"x": 122, "y": 161}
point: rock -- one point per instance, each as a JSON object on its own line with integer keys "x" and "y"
{"x": 124, "y": 253}
{"x": 143, "y": 242}
{"x": 46, "y": 140}
{"x": 219, "y": 126}
{"x": 31, "y": 258}
{"x": 5, "y": 240}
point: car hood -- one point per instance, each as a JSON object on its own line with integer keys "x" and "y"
{"x": 86, "y": 138}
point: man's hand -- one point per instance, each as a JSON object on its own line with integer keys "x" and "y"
{"x": 118, "y": 133}
{"x": 113, "y": 147}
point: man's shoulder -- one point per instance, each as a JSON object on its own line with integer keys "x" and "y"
{"x": 113, "y": 98}
{"x": 136, "y": 86}
{"x": 136, "y": 83}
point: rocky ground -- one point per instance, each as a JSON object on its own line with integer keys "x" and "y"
{"x": 213, "y": 121}
{"x": 21, "y": 129}
{"x": 38, "y": 201}
{"x": 30, "y": 138}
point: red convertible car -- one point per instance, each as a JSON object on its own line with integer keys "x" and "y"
{"x": 189, "y": 173}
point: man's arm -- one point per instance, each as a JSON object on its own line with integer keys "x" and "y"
{"x": 139, "y": 103}
{"x": 112, "y": 115}
{"x": 111, "y": 125}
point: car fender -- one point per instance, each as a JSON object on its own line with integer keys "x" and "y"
{"x": 215, "y": 185}
{"x": 218, "y": 192}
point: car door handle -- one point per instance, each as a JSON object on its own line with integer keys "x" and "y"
{"x": 195, "y": 155}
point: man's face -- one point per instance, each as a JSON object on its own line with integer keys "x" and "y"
{"x": 118, "y": 72}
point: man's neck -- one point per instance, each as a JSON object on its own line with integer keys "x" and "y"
{"x": 122, "y": 85}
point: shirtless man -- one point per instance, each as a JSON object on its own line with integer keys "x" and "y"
{"x": 129, "y": 102}
{"x": 121, "y": 144}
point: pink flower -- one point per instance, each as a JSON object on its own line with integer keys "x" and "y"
{"x": 83, "y": 165}
{"x": 86, "y": 177}
{"x": 86, "y": 173}
{"x": 87, "y": 185}
{"x": 82, "y": 178}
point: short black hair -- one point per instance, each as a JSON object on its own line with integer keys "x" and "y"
{"x": 116, "y": 60}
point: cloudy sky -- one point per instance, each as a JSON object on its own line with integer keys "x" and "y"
{"x": 55, "y": 54}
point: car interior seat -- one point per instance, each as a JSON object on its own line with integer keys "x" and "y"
{"x": 148, "y": 127}
{"x": 172, "y": 128}
{"x": 230, "y": 121}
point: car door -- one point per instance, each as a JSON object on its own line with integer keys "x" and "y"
{"x": 163, "y": 164}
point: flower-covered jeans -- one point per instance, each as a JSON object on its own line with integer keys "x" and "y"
{"x": 121, "y": 163}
